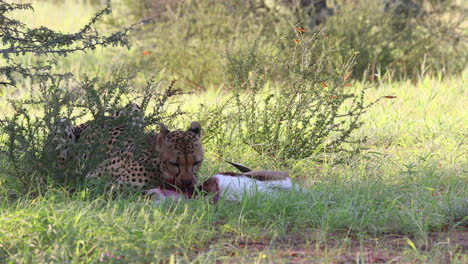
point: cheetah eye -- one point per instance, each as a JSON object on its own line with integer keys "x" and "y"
{"x": 174, "y": 163}
{"x": 196, "y": 163}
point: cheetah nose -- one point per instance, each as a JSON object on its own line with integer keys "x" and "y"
{"x": 187, "y": 182}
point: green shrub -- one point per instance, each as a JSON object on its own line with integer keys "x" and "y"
{"x": 313, "y": 108}
{"x": 33, "y": 136}
{"x": 19, "y": 39}
{"x": 190, "y": 38}
{"x": 405, "y": 42}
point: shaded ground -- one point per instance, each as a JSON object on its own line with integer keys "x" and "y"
{"x": 310, "y": 247}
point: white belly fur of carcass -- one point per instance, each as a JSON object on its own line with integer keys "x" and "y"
{"x": 234, "y": 188}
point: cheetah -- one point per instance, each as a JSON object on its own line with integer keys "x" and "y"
{"x": 167, "y": 158}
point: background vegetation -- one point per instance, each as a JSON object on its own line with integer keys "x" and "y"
{"x": 271, "y": 92}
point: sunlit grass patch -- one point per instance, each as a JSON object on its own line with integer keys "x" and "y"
{"x": 66, "y": 16}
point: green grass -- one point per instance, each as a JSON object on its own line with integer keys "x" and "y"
{"x": 81, "y": 228}
{"x": 410, "y": 184}
{"x": 404, "y": 199}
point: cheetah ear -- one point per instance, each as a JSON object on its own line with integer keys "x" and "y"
{"x": 195, "y": 127}
{"x": 158, "y": 140}
{"x": 163, "y": 130}
{"x": 153, "y": 140}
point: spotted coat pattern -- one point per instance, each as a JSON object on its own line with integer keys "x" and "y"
{"x": 168, "y": 157}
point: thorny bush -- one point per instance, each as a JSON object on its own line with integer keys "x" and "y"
{"x": 33, "y": 134}
{"x": 312, "y": 109}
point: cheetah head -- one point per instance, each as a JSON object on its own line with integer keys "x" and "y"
{"x": 180, "y": 154}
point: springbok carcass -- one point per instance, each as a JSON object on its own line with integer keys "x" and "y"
{"x": 230, "y": 186}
